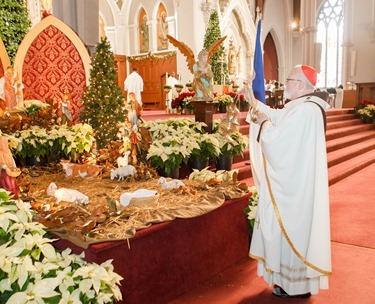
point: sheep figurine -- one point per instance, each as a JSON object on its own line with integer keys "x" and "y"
{"x": 68, "y": 195}
{"x": 123, "y": 161}
{"x": 173, "y": 184}
{"x": 122, "y": 172}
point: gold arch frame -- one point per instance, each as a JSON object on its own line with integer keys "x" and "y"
{"x": 4, "y": 58}
{"x": 41, "y": 26}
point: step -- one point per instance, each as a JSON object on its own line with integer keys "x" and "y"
{"x": 248, "y": 181}
{"x": 245, "y": 156}
{"x": 340, "y": 117}
{"x": 344, "y": 154}
{"x": 244, "y": 169}
{"x": 339, "y": 172}
{"x": 341, "y": 142}
{"x": 244, "y": 129}
{"x": 343, "y": 124}
{"x": 341, "y": 132}
{"x": 333, "y": 112}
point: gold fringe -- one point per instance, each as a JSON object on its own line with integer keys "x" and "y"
{"x": 279, "y": 219}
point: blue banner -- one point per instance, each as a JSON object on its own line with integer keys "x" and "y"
{"x": 258, "y": 81}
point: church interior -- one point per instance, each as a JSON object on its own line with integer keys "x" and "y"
{"x": 128, "y": 173}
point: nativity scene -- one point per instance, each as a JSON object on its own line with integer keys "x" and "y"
{"x": 111, "y": 194}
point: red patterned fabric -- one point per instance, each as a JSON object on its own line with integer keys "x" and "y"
{"x": 52, "y": 67}
{"x": 1, "y": 69}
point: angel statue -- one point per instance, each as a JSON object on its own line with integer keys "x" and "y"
{"x": 203, "y": 75}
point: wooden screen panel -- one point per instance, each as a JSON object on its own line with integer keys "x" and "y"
{"x": 120, "y": 61}
{"x": 153, "y": 71}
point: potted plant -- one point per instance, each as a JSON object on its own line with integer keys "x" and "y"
{"x": 189, "y": 86}
{"x": 172, "y": 143}
{"x": 167, "y": 88}
{"x": 183, "y": 101}
{"x": 178, "y": 87}
{"x": 33, "y": 271}
{"x": 360, "y": 105}
{"x": 208, "y": 147}
{"x": 367, "y": 114}
{"x": 36, "y": 144}
{"x": 223, "y": 101}
{"x": 230, "y": 145}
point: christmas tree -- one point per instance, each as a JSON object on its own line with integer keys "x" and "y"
{"x": 219, "y": 65}
{"x": 103, "y": 103}
{"x": 14, "y": 25}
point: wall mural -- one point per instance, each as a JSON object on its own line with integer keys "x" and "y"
{"x": 144, "y": 39}
{"x": 162, "y": 28}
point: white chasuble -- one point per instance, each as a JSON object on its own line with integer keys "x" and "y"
{"x": 291, "y": 237}
{"x": 134, "y": 84}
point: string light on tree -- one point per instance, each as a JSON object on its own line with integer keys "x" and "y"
{"x": 103, "y": 100}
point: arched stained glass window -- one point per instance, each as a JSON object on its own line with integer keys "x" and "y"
{"x": 330, "y": 27}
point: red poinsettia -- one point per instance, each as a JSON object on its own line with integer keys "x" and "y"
{"x": 181, "y": 99}
{"x": 365, "y": 102}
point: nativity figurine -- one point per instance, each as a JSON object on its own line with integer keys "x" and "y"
{"x": 203, "y": 75}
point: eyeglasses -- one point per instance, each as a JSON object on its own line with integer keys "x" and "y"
{"x": 291, "y": 79}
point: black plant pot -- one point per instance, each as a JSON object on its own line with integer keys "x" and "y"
{"x": 35, "y": 161}
{"x": 198, "y": 164}
{"x": 173, "y": 173}
{"x": 224, "y": 163}
{"x": 222, "y": 108}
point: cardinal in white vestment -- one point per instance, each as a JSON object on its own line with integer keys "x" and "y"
{"x": 134, "y": 84}
{"x": 291, "y": 236}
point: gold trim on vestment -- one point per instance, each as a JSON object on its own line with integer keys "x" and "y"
{"x": 278, "y": 216}
{"x": 261, "y": 260}
{"x": 257, "y": 258}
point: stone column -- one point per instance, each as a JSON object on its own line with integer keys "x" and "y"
{"x": 347, "y": 70}
{"x": 308, "y": 23}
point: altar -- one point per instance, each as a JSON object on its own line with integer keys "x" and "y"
{"x": 165, "y": 260}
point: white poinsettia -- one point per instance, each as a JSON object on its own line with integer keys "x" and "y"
{"x": 68, "y": 297}
{"x": 63, "y": 139}
{"x": 202, "y": 175}
{"x": 206, "y": 175}
{"x": 35, "y": 102}
{"x": 36, "y": 293}
{"x": 251, "y": 210}
{"x": 33, "y": 271}
{"x": 6, "y": 217}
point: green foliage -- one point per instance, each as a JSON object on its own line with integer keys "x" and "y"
{"x": 251, "y": 210}
{"x": 14, "y": 25}
{"x": 32, "y": 110}
{"x": 103, "y": 102}
{"x": 213, "y": 33}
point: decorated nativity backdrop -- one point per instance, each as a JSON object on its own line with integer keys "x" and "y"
{"x": 73, "y": 147}
{"x": 49, "y": 82}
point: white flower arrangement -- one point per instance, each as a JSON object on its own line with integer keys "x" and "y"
{"x": 208, "y": 146}
{"x": 251, "y": 210}
{"x": 173, "y": 141}
{"x": 206, "y": 175}
{"x": 35, "y": 102}
{"x": 32, "y": 271}
{"x": 231, "y": 144}
{"x": 223, "y": 99}
{"x": 367, "y": 113}
{"x": 36, "y": 141}
{"x": 177, "y": 140}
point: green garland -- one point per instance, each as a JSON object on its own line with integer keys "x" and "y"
{"x": 150, "y": 55}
